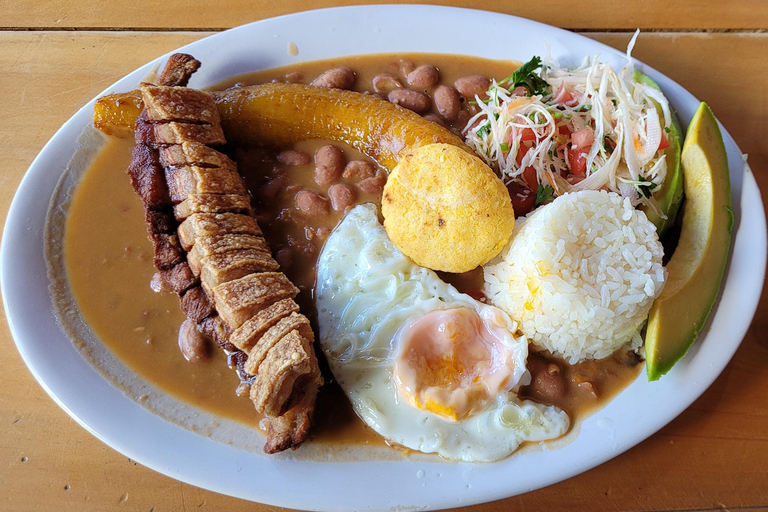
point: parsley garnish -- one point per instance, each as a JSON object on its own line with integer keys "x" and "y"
{"x": 544, "y": 194}
{"x": 525, "y": 76}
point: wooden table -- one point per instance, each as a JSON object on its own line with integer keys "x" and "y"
{"x": 55, "y": 56}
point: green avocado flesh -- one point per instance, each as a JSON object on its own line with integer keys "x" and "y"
{"x": 670, "y": 196}
{"x": 696, "y": 268}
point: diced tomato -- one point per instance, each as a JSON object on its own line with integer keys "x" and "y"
{"x": 583, "y": 138}
{"x": 577, "y": 161}
{"x": 664, "y": 144}
{"x": 562, "y": 96}
{"x": 527, "y": 135}
{"x": 529, "y": 175}
{"x": 563, "y": 129}
{"x": 522, "y": 150}
{"x": 523, "y": 198}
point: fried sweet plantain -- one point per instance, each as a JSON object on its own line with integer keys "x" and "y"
{"x": 116, "y": 114}
{"x": 279, "y": 114}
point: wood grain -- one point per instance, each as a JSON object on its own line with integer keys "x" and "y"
{"x": 193, "y": 14}
{"x": 714, "y": 456}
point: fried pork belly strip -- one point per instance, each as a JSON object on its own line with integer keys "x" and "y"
{"x": 211, "y": 251}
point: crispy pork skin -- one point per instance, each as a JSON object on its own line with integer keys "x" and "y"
{"x": 183, "y": 181}
{"x": 291, "y": 428}
{"x": 222, "y": 268}
{"x": 264, "y": 346}
{"x": 165, "y": 104}
{"x": 192, "y": 153}
{"x": 200, "y": 225}
{"x": 177, "y": 133}
{"x": 248, "y": 334}
{"x": 241, "y": 299}
{"x": 286, "y": 362}
{"x": 212, "y": 203}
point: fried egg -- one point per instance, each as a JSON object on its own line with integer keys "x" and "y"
{"x": 425, "y": 366}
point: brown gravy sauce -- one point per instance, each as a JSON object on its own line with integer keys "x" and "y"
{"x": 109, "y": 266}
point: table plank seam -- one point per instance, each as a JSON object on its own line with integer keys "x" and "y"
{"x": 608, "y": 30}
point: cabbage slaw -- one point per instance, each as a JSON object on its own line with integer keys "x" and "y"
{"x": 586, "y": 128}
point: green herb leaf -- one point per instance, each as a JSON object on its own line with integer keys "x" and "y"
{"x": 504, "y": 147}
{"x": 557, "y": 115}
{"x": 484, "y": 130}
{"x": 525, "y": 76}
{"x": 544, "y": 193}
{"x": 644, "y": 187}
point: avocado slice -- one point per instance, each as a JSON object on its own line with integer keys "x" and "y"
{"x": 669, "y": 196}
{"x": 696, "y": 268}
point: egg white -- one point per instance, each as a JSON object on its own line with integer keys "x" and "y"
{"x": 366, "y": 291}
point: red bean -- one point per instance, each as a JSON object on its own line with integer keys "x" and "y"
{"x": 412, "y": 100}
{"x": 372, "y": 185}
{"x": 547, "y": 381}
{"x": 329, "y": 164}
{"x": 359, "y": 169}
{"x": 406, "y": 66}
{"x": 294, "y": 77}
{"x": 293, "y": 157}
{"x": 436, "y": 119}
{"x": 159, "y": 284}
{"x": 588, "y": 389}
{"x": 423, "y": 77}
{"x": 385, "y": 83}
{"x": 472, "y": 85}
{"x": 447, "y": 102}
{"x": 312, "y": 204}
{"x": 193, "y": 343}
{"x": 342, "y": 196}
{"x": 337, "y": 78}
{"x": 270, "y": 190}
{"x": 463, "y": 117}
{"x": 284, "y": 258}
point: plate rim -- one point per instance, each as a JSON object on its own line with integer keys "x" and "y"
{"x": 473, "y": 491}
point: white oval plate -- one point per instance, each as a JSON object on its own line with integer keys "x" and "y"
{"x": 635, "y": 414}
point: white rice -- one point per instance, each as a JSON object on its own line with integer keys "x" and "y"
{"x": 579, "y": 275}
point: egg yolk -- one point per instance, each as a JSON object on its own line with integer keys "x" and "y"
{"x": 454, "y": 363}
